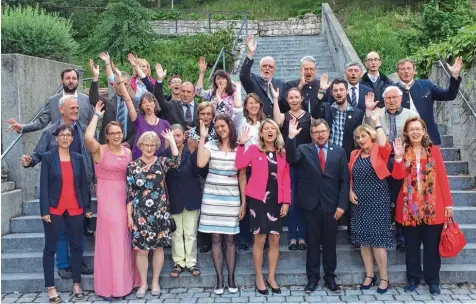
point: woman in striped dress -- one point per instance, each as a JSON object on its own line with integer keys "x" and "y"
{"x": 221, "y": 196}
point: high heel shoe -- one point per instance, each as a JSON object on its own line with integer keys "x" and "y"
{"x": 372, "y": 283}
{"x": 382, "y": 290}
{"x": 273, "y": 290}
{"x": 264, "y": 292}
{"x": 56, "y": 299}
{"x": 78, "y": 295}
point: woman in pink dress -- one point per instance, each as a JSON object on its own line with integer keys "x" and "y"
{"x": 114, "y": 270}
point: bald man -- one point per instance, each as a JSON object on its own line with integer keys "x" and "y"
{"x": 374, "y": 79}
{"x": 261, "y": 85}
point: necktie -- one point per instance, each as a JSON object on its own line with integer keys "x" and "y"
{"x": 393, "y": 128}
{"x": 353, "y": 98}
{"x": 188, "y": 114}
{"x": 322, "y": 158}
{"x": 268, "y": 91}
{"x": 121, "y": 115}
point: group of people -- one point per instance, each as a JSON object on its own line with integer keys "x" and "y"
{"x": 168, "y": 170}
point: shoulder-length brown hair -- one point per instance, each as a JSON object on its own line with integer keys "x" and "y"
{"x": 261, "y": 115}
{"x": 425, "y": 141}
{"x": 229, "y": 90}
{"x": 278, "y": 143}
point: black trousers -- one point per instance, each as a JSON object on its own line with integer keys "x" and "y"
{"x": 321, "y": 230}
{"x": 395, "y": 185}
{"x": 75, "y": 231}
{"x": 429, "y": 235}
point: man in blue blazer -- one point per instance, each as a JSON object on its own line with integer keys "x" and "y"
{"x": 323, "y": 194}
{"x": 420, "y": 95}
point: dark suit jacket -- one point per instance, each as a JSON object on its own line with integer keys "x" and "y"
{"x": 424, "y": 93}
{"x": 329, "y": 189}
{"x": 378, "y": 87}
{"x": 308, "y": 92}
{"x": 110, "y": 113}
{"x": 172, "y": 109}
{"x": 51, "y": 181}
{"x": 352, "y": 121}
{"x": 363, "y": 90}
{"x": 252, "y": 83}
{"x": 183, "y": 183}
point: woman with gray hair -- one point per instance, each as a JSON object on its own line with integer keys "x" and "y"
{"x": 148, "y": 210}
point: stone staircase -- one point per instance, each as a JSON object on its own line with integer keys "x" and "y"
{"x": 21, "y": 255}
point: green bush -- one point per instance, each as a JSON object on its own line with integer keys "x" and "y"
{"x": 218, "y": 17}
{"x": 166, "y": 15}
{"x": 32, "y": 31}
{"x": 193, "y": 16}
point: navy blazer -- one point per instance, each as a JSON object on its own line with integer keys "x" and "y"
{"x": 352, "y": 120}
{"x": 329, "y": 189}
{"x": 173, "y": 110}
{"x": 252, "y": 83}
{"x": 51, "y": 181}
{"x": 363, "y": 90}
{"x": 183, "y": 183}
{"x": 424, "y": 93}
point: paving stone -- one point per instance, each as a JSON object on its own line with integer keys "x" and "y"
{"x": 25, "y": 300}
{"x": 461, "y": 297}
{"x": 188, "y": 300}
{"x": 178, "y": 290}
{"x": 366, "y": 298}
{"x": 320, "y": 293}
{"x": 261, "y": 299}
{"x": 205, "y": 300}
{"x": 461, "y": 291}
{"x": 384, "y": 297}
{"x": 349, "y": 298}
{"x": 296, "y": 288}
{"x": 201, "y": 294}
{"x": 353, "y": 292}
{"x": 313, "y": 299}
{"x": 276, "y": 299}
{"x": 405, "y": 297}
{"x": 369, "y": 292}
{"x": 247, "y": 294}
{"x": 422, "y": 297}
{"x": 171, "y": 301}
{"x": 294, "y": 299}
{"x": 222, "y": 300}
{"x": 9, "y": 300}
{"x": 239, "y": 300}
{"x": 154, "y": 301}
{"x": 298, "y": 293}
{"x": 31, "y": 295}
{"x": 12, "y": 296}
{"x": 194, "y": 290}
{"x": 168, "y": 296}
{"x": 472, "y": 296}
{"x": 136, "y": 301}
{"x": 330, "y": 299}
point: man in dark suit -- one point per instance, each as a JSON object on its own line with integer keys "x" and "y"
{"x": 375, "y": 79}
{"x": 261, "y": 85}
{"x": 183, "y": 112}
{"x": 323, "y": 192}
{"x": 308, "y": 84}
{"x": 420, "y": 95}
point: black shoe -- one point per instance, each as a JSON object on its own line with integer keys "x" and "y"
{"x": 383, "y": 290}
{"x": 108, "y": 299}
{"x": 86, "y": 270}
{"x": 410, "y": 287}
{"x": 88, "y": 232}
{"x": 242, "y": 247}
{"x": 310, "y": 287}
{"x": 331, "y": 284}
{"x": 434, "y": 289}
{"x": 204, "y": 248}
{"x": 264, "y": 292}
{"x": 372, "y": 283}
{"x": 273, "y": 290}
{"x": 65, "y": 273}
{"x": 302, "y": 246}
{"x": 293, "y": 247}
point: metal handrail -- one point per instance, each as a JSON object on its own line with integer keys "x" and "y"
{"x": 459, "y": 91}
{"x": 14, "y": 142}
{"x": 221, "y": 55}
{"x": 245, "y": 20}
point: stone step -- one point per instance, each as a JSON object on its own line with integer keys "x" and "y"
{"x": 450, "y": 153}
{"x": 446, "y": 141}
{"x": 464, "y": 197}
{"x": 8, "y": 186}
{"x": 456, "y": 167}
{"x": 31, "y": 262}
{"x": 462, "y": 182}
{"x": 347, "y": 275}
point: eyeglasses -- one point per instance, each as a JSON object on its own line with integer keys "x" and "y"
{"x": 147, "y": 146}
{"x": 176, "y": 81}
{"x": 115, "y": 133}
{"x": 205, "y": 114}
{"x": 392, "y": 98}
{"x": 65, "y": 135}
{"x": 320, "y": 132}
{"x": 74, "y": 108}
{"x": 372, "y": 59}
{"x": 415, "y": 130}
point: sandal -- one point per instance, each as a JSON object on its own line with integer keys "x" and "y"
{"x": 79, "y": 294}
{"x": 194, "y": 270}
{"x": 57, "y": 298}
{"x": 176, "y": 271}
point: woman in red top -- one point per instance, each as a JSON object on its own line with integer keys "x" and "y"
{"x": 422, "y": 204}
{"x": 269, "y": 195}
{"x": 64, "y": 197}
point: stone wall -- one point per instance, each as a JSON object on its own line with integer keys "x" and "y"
{"x": 309, "y": 25}
{"x": 456, "y": 114}
{"x": 341, "y": 49}
{"x": 27, "y": 82}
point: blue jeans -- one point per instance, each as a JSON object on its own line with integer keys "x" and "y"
{"x": 63, "y": 258}
{"x": 296, "y": 228}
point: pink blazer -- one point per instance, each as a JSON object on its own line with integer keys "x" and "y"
{"x": 256, "y": 186}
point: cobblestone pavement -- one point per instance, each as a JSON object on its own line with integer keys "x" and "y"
{"x": 465, "y": 293}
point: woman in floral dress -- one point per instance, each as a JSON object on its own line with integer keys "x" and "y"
{"x": 149, "y": 217}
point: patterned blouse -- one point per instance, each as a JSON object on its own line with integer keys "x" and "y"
{"x": 225, "y": 106}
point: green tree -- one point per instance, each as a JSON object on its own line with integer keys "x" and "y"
{"x": 32, "y": 31}
{"x": 123, "y": 28}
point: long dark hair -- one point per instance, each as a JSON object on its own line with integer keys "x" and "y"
{"x": 233, "y": 135}
{"x": 149, "y": 96}
{"x": 261, "y": 116}
{"x": 229, "y": 85}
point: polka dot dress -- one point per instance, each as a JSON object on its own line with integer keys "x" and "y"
{"x": 371, "y": 219}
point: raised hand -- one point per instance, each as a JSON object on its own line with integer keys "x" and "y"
{"x": 161, "y": 73}
{"x": 293, "y": 128}
{"x": 251, "y": 45}
{"x": 25, "y": 160}
{"x": 202, "y": 65}
{"x": 245, "y": 135}
{"x": 105, "y": 57}
{"x": 375, "y": 115}
{"x": 274, "y": 92}
{"x": 398, "y": 148}
{"x": 132, "y": 59}
{"x": 324, "y": 82}
{"x": 14, "y": 125}
{"x": 237, "y": 86}
{"x": 192, "y": 145}
{"x": 117, "y": 73}
{"x": 168, "y": 135}
{"x": 455, "y": 69}
{"x": 94, "y": 70}
{"x": 370, "y": 104}
{"x": 203, "y": 130}
{"x": 99, "y": 108}
{"x": 302, "y": 80}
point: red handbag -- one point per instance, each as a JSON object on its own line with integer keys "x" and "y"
{"x": 452, "y": 239}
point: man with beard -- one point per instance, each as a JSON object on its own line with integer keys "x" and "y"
{"x": 307, "y": 84}
{"x": 261, "y": 85}
{"x": 50, "y": 112}
{"x": 374, "y": 79}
